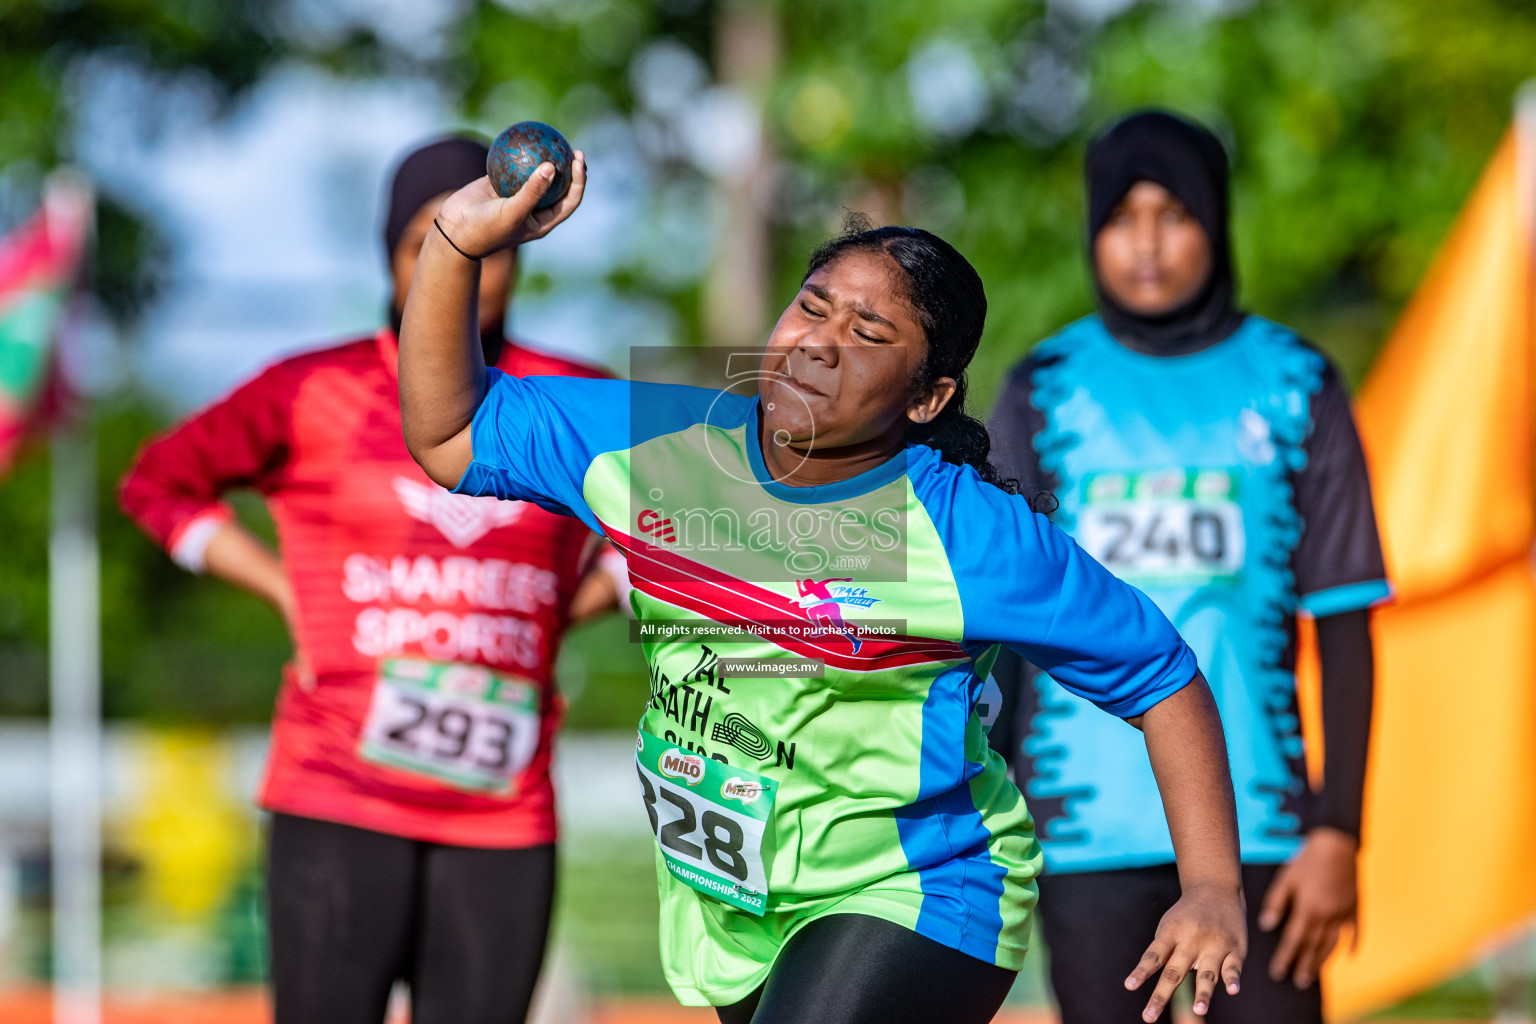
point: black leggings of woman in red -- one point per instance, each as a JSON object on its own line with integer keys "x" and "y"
{"x": 352, "y": 911}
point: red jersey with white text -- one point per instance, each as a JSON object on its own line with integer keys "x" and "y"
{"x": 401, "y": 587}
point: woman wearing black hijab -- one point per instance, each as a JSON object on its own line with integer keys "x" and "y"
{"x": 1209, "y": 457}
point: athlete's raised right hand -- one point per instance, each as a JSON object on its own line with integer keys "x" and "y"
{"x": 479, "y": 222}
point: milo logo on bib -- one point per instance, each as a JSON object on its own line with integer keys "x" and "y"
{"x": 678, "y": 765}
{"x": 745, "y": 790}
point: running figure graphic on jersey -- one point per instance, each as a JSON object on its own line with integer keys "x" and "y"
{"x": 821, "y": 607}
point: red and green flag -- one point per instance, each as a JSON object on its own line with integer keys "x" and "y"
{"x": 39, "y": 265}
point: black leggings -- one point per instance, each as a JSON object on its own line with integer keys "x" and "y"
{"x": 1098, "y": 923}
{"x": 853, "y": 969}
{"x": 351, "y": 911}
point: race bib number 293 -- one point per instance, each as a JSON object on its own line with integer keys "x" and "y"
{"x": 463, "y": 725}
{"x": 709, "y": 820}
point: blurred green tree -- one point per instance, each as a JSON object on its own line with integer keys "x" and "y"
{"x": 223, "y": 46}
{"x": 1356, "y": 130}
{"x": 748, "y": 126}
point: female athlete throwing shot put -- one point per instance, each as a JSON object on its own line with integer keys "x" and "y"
{"x": 842, "y": 847}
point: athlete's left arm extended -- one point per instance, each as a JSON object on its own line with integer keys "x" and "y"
{"x": 1206, "y": 930}
{"x": 1027, "y": 584}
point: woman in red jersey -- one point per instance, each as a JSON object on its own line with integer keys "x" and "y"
{"x": 413, "y": 820}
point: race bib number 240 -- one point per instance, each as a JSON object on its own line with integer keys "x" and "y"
{"x": 709, "y": 820}
{"x": 1165, "y": 526}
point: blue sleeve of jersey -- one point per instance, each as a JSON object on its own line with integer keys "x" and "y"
{"x": 533, "y": 438}
{"x": 1026, "y": 584}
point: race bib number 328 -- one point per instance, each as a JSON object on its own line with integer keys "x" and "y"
{"x": 463, "y": 725}
{"x": 709, "y": 820}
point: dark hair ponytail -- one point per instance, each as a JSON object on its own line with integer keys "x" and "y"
{"x": 946, "y": 293}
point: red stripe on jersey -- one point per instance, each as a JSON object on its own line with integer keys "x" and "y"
{"x": 693, "y": 586}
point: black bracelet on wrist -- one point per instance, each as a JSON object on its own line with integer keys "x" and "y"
{"x": 461, "y": 252}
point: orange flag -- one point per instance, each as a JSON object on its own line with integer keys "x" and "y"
{"x": 1447, "y": 418}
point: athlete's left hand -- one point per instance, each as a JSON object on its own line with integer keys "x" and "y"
{"x": 1318, "y": 889}
{"x": 1205, "y": 934}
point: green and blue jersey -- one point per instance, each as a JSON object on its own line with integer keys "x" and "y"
{"x": 1229, "y": 486}
{"x": 864, "y": 782}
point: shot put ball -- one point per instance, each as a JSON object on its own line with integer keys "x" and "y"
{"x": 517, "y": 153}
